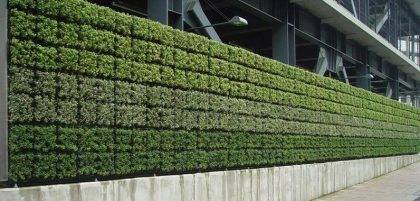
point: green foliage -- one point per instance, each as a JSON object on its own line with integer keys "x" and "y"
{"x": 45, "y": 166}
{"x": 20, "y": 79}
{"x": 44, "y": 109}
{"x": 105, "y": 65}
{"x": 22, "y": 4}
{"x": 123, "y": 47}
{"x": 20, "y": 108}
{"x": 130, "y": 93}
{"x": 88, "y": 62}
{"x": 68, "y": 86}
{"x": 68, "y": 59}
{"x": 93, "y": 39}
{"x": 135, "y": 151}
{"x": 97, "y": 93}
{"x": 45, "y": 83}
{"x": 123, "y": 163}
{"x": 67, "y": 139}
{"x": 66, "y": 166}
{"x": 45, "y": 57}
{"x": 67, "y": 112}
{"x": 21, "y": 166}
{"x": 49, "y": 7}
{"x": 130, "y": 116}
{"x": 68, "y": 35}
{"x": 21, "y": 53}
{"x": 96, "y": 89}
{"x": 47, "y": 30}
{"x": 124, "y": 22}
{"x": 20, "y": 139}
{"x": 22, "y": 25}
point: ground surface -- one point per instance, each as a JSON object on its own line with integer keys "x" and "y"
{"x": 400, "y": 185}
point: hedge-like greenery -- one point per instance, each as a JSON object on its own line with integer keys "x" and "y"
{"x": 97, "y": 93}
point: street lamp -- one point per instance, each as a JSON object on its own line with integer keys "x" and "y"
{"x": 234, "y": 21}
{"x": 368, "y": 76}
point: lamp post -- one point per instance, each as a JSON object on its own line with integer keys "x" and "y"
{"x": 234, "y": 21}
{"x": 368, "y": 76}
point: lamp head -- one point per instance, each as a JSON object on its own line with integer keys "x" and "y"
{"x": 238, "y": 21}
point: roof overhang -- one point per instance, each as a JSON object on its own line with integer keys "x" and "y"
{"x": 332, "y": 13}
{"x": 415, "y": 6}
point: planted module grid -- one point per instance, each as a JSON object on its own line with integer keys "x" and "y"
{"x": 98, "y": 93}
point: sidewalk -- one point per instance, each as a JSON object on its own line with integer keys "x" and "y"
{"x": 400, "y": 185}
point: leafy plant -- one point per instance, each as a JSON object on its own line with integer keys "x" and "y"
{"x": 97, "y": 93}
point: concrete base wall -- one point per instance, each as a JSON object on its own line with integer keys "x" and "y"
{"x": 297, "y": 182}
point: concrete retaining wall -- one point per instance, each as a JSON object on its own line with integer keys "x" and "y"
{"x": 297, "y": 182}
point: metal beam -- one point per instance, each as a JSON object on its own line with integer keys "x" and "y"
{"x": 158, "y": 11}
{"x": 341, "y": 70}
{"x": 347, "y": 23}
{"x": 176, "y": 9}
{"x": 363, "y": 71}
{"x": 406, "y": 84}
{"x": 282, "y": 40}
{"x": 322, "y": 63}
{"x": 292, "y": 45}
{"x": 3, "y": 92}
{"x": 384, "y": 17}
{"x": 377, "y": 73}
{"x": 317, "y": 41}
{"x": 195, "y": 17}
{"x": 394, "y": 84}
{"x": 389, "y": 90}
{"x": 354, "y": 9}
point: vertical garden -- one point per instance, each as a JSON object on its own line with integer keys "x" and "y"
{"x": 95, "y": 93}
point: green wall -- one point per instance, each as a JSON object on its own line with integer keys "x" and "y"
{"x": 96, "y": 93}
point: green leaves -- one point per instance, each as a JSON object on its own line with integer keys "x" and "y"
{"x": 130, "y": 93}
{"x": 68, "y": 35}
{"x": 123, "y": 47}
{"x": 88, "y": 62}
{"x": 21, "y": 166}
{"x": 130, "y": 116}
{"x": 50, "y": 7}
{"x": 96, "y": 89}
{"x": 44, "y": 109}
{"x": 105, "y": 66}
{"x": 20, "y": 108}
{"x": 124, "y": 22}
{"x": 46, "y": 57}
{"x": 22, "y": 4}
{"x": 22, "y": 53}
{"x": 47, "y": 30}
{"x": 95, "y": 151}
{"x": 97, "y": 93}
{"x": 22, "y": 25}
{"x": 20, "y": 79}
{"x": 20, "y": 139}
{"x": 68, "y": 59}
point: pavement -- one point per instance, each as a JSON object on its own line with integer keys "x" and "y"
{"x": 400, "y": 185}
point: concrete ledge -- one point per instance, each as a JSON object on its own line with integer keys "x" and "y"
{"x": 297, "y": 182}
